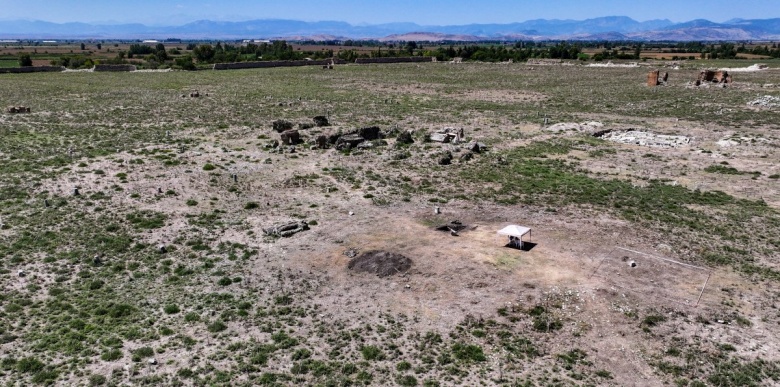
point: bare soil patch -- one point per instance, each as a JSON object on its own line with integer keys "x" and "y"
{"x": 381, "y": 263}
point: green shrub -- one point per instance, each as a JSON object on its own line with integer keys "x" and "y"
{"x": 146, "y": 219}
{"x": 216, "y": 326}
{"x": 144, "y": 352}
{"x": 251, "y": 205}
{"x": 172, "y": 309}
{"x": 653, "y": 320}
{"x": 29, "y": 365}
{"x": 97, "y": 380}
{"x": 468, "y": 352}
{"x": 192, "y": 202}
{"x": 406, "y": 380}
{"x": 301, "y": 354}
{"x": 112, "y": 354}
{"x": 209, "y": 167}
{"x": 225, "y": 281}
{"x": 403, "y": 366}
{"x": 371, "y": 352}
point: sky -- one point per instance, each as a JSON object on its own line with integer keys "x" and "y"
{"x": 424, "y": 12}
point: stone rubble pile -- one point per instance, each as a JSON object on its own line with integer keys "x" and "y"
{"x": 641, "y": 138}
{"x": 766, "y": 101}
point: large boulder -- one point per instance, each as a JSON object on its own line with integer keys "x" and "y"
{"x": 321, "y": 121}
{"x": 282, "y": 125}
{"x": 291, "y": 137}
{"x": 349, "y": 141}
{"x": 370, "y": 133}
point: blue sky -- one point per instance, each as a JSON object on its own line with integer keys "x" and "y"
{"x": 439, "y": 12}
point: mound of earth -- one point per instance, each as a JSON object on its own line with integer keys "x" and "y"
{"x": 381, "y": 263}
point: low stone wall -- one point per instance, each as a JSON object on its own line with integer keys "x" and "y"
{"x": 110, "y": 67}
{"x": 31, "y": 69}
{"x": 274, "y": 63}
{"x": 411, "y": 59}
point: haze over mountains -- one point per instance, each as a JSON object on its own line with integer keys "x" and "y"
{"x": 603, "y": 28}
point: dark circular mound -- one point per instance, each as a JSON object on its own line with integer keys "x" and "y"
{"x": 381, "y": 263}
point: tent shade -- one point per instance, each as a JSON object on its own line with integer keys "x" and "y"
{"x": 515, "y": 231}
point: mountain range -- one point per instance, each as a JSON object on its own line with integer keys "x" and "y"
{"x": 603, "y": 28}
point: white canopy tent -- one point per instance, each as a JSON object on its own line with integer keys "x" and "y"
{"x": 515, "y": 234}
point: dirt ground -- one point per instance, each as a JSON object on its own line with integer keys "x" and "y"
{"x": 623, "y": 293}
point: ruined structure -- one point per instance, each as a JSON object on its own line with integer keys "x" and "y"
{"x": 713, "y": 77}
{"x": 277, "y": 63}
{"x": 654, "y": 78}
{"x": 349, "y": 141}
{"x": 18, "y": 109}
{"x": 447, "y": 135}
{"x": 411, "y": 59}
{"x": 114, "y": 68}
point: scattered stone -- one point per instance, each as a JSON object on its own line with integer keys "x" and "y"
{"x": 162, "y": 249}
{"x": 405, "y": 137}
{"x": 445, "y": 158}
{"x": 766, "y": 101}
{"x": 476, "y": 147}
{"x": 642, "y": 138}
{"x": 286, "y": 229}
{"x": 152, "y": 361}
{"x": 381, "y": 263}
{"x": 21, "y": 273}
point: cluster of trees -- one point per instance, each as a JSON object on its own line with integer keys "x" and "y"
{"x": 149, "y": 53}
{"x": 773, "y": 51}
{"x": 521, "y": 51}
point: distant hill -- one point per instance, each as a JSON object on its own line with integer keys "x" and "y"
{"x": 603, "y": 28}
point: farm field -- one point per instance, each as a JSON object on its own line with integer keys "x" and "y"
{"x": 137, "y": 241}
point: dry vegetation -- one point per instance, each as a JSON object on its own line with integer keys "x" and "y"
{"x": 159, "y": 273}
